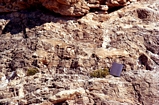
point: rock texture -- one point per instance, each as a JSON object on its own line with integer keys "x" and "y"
{"x": 64, "y": 50}
{"x": 67, "y": 7}
{"x": 64, "y": 7}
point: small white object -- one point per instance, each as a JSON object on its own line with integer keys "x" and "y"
{"x": 3, "y": 84}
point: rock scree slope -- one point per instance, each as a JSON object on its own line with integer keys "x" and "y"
{"x": 47, "y": 58}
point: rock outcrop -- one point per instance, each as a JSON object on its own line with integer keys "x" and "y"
{"x": 47, "y": 59}
{"x": 66, "y": 95}
{"x": 67, "y": 7}
{"x": 64, "y": 7}
{"x": 145, "y": 86}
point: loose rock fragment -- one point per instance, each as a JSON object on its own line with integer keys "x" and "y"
{"x": 66, "y": 95}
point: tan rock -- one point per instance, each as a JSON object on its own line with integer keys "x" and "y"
{"x": 103, "y": 53}
{"x": 3, "y": 23}
{"x": 65, "y": 50}
{"x": 21, "y": 91}
{"x": 46, "y": 103}
{"x": 3, "y": 82}
{"x": 114, "y": 3}
{"x": 118, "y": 87}
{"x": 147, "y": 14}
{"x": 70, "y": 8}
{"x": 64, "y": 7}
{"x": 146, "y": 90}
{"x": 66, "y": 95}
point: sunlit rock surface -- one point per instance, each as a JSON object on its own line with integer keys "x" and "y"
{"x": 60, "y": 52}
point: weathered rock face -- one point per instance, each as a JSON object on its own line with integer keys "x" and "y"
{"x": 60, "y": 52}
{"x": 64, "y": 7}
{"x": 67, "y": 7}
{"x": 145, "y": 86}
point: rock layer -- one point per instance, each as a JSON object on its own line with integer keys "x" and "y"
{"x": 64, "y": 7}
{"x": 65, "y": 50}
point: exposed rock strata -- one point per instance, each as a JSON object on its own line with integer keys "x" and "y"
{"x": 64, "y": 7}
{"x": 65, "y": 50}
{"x": 134, "y": 87}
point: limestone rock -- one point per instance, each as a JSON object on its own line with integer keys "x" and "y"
{"x": 132, "y": 86}
{"x": 108, "y": 3}
{"x": 46, "y": 103}
{"x": 110, "y": 89}
{"x": 69, "y": 7}
{"x": 65, "y": 50}
{"x": 114, "y": 3}
{"x": 3, "y": 82}
{"x": 64, "y": 7}
{"x": 3, "y": 23}
{"x": 66, "y": 95}
{"x": 103, "y": 53}
{"x": 146, "y": 90}
{"x": 147, "y": 14}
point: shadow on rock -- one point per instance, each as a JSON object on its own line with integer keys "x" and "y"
{"x": 19, "y": 21}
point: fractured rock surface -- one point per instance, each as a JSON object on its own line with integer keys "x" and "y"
{"x": 62, "y": 51}
{"x": 64, "y": 7}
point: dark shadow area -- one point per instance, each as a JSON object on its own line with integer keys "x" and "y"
{"x": 4, "y": 103}
{"x": 94, "y": 9}
{"x": 35, "y": 16}
{"x": 110, "y": 10}
{"x": 29, "y": 18}
{"x": 62, "y": 103}
{"x": 144, "y": 61}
